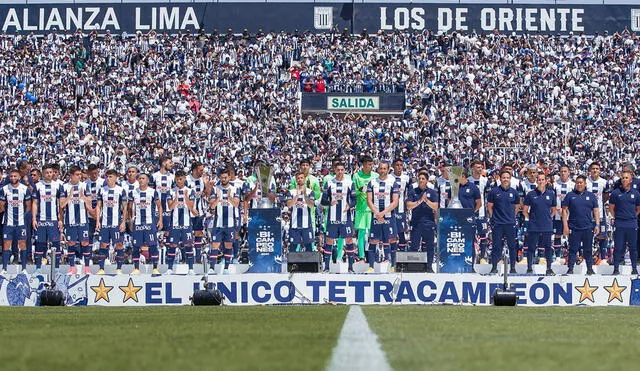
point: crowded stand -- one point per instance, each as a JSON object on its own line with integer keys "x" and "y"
{"x": 206, "y": 108}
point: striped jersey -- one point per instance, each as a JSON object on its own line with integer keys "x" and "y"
{"x": 599, "y": 187}
{"x": 111, "y": 211}
{"x": 301, "y": 215}
{"x": 403, "y": 181}
{"x": 528, "y": 186}
{"x": 129, "y": 187}
{"x": 238, "y": 184}
{"x": 163, "y": 183}
{"x": 444, "y": 191}
{"x": 562, "y": 189}
{"x": 224, "y": 213}
{"x": 15, "y": 200}
{"x": 75, "y": 212}
{"x": 92, "y": 188}
{"x": 48, "y": 196}
{"x": 345, "y": 193}
{"x": 382, "y": 192}
{"x": 197, "y": 185}
{"x": 180, "y": 214}
{"x": 144, "y": 206}
{"x": 482, "y": 186}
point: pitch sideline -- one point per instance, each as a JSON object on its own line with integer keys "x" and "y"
{"x": 358, "y": 347}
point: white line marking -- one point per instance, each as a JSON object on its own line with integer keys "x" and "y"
{"x": 358, "y": 347}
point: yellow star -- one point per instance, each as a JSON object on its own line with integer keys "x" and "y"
{"x": 615, "y": 291}
{"x": 130, "y": 291}
{"x": 102, "y": 291}
{"x": 586, "y": 291}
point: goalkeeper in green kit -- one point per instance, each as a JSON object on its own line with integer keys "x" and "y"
{"x": 362, "y": 221}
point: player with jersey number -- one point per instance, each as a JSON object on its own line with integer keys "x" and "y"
{"x": 402, "y": 228}
{"x": 339, "y": 197}
{"x": 200, "y": 184}
{"x": 111, "y": 214}
{"x": 182, "y": 206}
{"x": 301, "y": 201}
{"x": 600, "y": 187}
{"x": 562, "y": 187}
{"x": 482, "y": 223}
{"x": 144, "y": 208}
{"x": 15, "y": 203}
{"x": 47, "y": 210}
{"x": 77, "y": 209}
{"x": 129, "y": 184}
{"x": 163, "y": 182}
{"x": 223, "y": 201}
{"x": 382, "y": 198}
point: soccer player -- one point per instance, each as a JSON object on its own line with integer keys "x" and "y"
{"x": 579, "y": 209}
{"x": 77, "y": 209}
{"x": 423, "y": 203}
{"x": 482, "y": 225}
{"x": 530, "y": 183}
{"x": 200, "y": 184}
{"x": 443, "y": 186}
{"x": 92, "y": 187}
{"x": 362, "y": 221}
{"x": 400, "y": 213}
{"x": 238, "y": 184}
{"x": 624, "y": 205}
{"x": 310, "y": 181}
{"x": 111, "y": 214}
{"x": 340, "y": 197}
{"x": 382, "y": 198}
{"x": 15, "y": 203}
{"x": 223, "y": 201}
{"x": 182, "y": 206}
{"x": 562, "y": 187}
{"x": 600, "y": 187}
{"x": 163, "y": 182}
{"x": 48, "y": 198}
{"x": 144, "y": 206}
{"x": 301, "y": 201}
{"x": 503, "y": 202}
{"x": 327, "y": 178}
{"x": 130, "y": 183}
{"x": 539, "y": 208}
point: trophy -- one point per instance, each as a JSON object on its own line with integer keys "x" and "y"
{"x": 455, "y": 173}
{"x": 264, "y": 174}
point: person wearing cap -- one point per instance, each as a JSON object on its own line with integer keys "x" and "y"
{"x": 538, "y": 209}
{"x": 624, "y": 206}
{"x": 580, "y": 220}
{"x": 503, "y": 202}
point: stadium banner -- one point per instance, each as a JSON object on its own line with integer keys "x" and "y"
{"x": 354, "y": 102}
{"x": 317, "y": 17}
{"x": 265, "y": 241}
{"x": 309, "y": 288}
{"x": 456, "y": 235}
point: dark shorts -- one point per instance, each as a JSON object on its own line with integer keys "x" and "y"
{"x": 77, "y": 233}
{"x": 300, "y": 236}
{"x": 16, "y": 233}
{"x": 144, "y": 235}
{"x": 181, "y": 236}
{"x": 110, "y": 235}
{"x": 384, "y": 231}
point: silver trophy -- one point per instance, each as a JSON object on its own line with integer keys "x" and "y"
{"x": 264, "y": 175}
{"x": 455, "y": 173}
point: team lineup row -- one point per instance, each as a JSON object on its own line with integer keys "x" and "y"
{"x": 174, "y": 210}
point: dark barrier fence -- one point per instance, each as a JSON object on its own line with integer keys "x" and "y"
{"x": 319, "y": 17}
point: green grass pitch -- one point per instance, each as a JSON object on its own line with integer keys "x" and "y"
{"x": 302, "y": 338}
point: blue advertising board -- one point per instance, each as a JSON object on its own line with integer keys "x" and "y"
{"x": 456, "y": 234}
{"x": 319, "y": 17}
{"x": 265, "y": 241}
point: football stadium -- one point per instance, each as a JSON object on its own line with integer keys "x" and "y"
{"x": 330, "y": 185}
